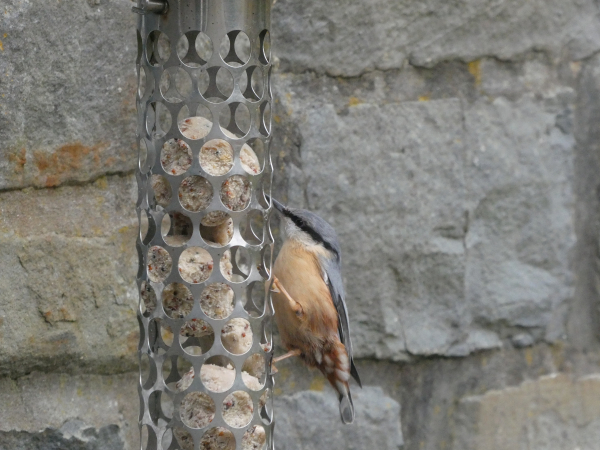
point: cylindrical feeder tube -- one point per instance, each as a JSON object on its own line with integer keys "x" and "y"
{"x": 205, "y": 248}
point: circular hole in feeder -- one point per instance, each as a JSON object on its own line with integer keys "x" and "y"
{"x": 139, "y": 46}
{"x": 236, "y": 193}
{"x": 195, "y": 265}
{"x": 240, "y": 125}
{"x": 235, "y": 264}
{"x": 217, "y": 300}
{"x": 177, "y": 300}
{"x": 265, "y": 47}
{"x": 158, "y": 120}
{"x": 176, "y": 229}
{"x": 235, "y": 48}
{"x": 238, "y": 409}
{"x": 254, "y": 374}
{"x": 142, "y": 82}
{"x": 142, "y": 155}
{"x": 161, "y": 189}
{"x": 254, "y": 438}
{"x": 175, "y": 85}
{"x": 253, "y": 156}
{"x": 217, "y": 438}
{"x": 167, "y": 439}
{"x": 266, "y": 407}
{"x": 148, "y": 299}
{"x": 178, "y": 373}
{"x": 144, "y": 226}
{"x": 194, "y": 49}
{"x": 216, "y": 157}
{"x": 159, "y": 264}
{"x": 220, "y": 85}
{"x": 147, "y": 438}
{"x": 252, "y": 228}
{"x": 195, "y": 127}
{"x": 176, "y": 156}
{"x": 195, "y": 193}
{"x": 155, "y": 408}
{"x": 265, "y": 117}
{"x": 183, "y": 438}
{"x": 236, "y": 336}
{"x": 197, "y": 410}
{"x": 267, "y": 260}
{"x": 255, "y": 299}
{"x": 252, "y": 84}
{"x": 203, "y": 80}
{"x": 145, "y": 379}
{"x": 216, "y": 228}
{"x": 218, "y": 374}
{"x": 158, "y": 48}
{"x": 197, "y": 337}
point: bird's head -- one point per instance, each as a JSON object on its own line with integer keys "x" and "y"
{"x": 308, "y": 228}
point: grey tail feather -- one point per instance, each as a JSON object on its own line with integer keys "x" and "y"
{"x": 354, "y": 373}
{"x": 346, "y": 408}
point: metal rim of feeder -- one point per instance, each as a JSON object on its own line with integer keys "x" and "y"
{"x": 161, "y": 107}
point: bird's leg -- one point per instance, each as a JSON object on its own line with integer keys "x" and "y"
{"x": 287, "y": 355}
{"x": 296, "y": 307}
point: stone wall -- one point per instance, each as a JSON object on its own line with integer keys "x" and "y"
{"x": 454, "y": 146}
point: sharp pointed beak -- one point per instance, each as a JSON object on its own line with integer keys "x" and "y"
{"x": 279, "y": 206}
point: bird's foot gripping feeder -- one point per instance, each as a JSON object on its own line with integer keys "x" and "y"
{"x": 204, "y": 105}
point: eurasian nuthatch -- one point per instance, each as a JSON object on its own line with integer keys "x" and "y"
{"x": 310, "y": 309}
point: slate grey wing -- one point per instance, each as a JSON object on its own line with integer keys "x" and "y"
{"x": 336, "y": 289}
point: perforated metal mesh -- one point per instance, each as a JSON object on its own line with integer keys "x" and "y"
{"x": 204, "y": 102}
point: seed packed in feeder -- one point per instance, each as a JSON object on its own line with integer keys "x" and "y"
{"x": 236, "y": 336}
{"x": 216, "y": 228}
{"x": 255, "y": 366}
{"x": 238, "y": 408}
{"x": 176, "y": 157}
{"x": 226, "y": 266}
{"x": 184, "y": 439}
{"x": 149, "y": 297}
{"x": 178, "y": 301}
{"x": 217, "y": 439}
{"x": 197, "y": 410}
{"x": 254, "y": 438}
{"x": 196, "y": 328}
{"x": 235, "y": 192}
{"x": 216, "y": 157}
{"x": 162, "y": 190}
{"x": 217, "y": 300}
{"x": 195, "y": 193}
{"x": 195, "y": 265}
{"x": 219, "y": 379}
{"x": 249, "y": 160}
{"x": 159, "y": 264}
{"x": 195, "y": 127}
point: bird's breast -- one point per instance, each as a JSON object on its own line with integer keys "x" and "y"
{"x": 299, "y": 271}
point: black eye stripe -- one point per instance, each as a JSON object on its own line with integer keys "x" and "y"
{"x": 312, "y": 233}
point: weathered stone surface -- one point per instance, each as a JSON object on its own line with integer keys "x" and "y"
{"x": 52, "y": 411}
{"x": 311, "y": 419}
{"x": 67, "y": 104}
{"x": 68, "y": 277}
{"x": 348, "y": 39}
{"x": 553, "y": 412}
{"x": 454, "y": 217}
{"x": 88, "y": 438}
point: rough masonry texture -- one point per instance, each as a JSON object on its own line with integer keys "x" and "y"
{"x": 453, "y": 145}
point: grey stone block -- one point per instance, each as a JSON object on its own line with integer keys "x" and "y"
{"x": 348, "y": 39}
{"x": 67, "y": 111}
{"x": 454, "y": 218}
{"x": 311, "y": 419}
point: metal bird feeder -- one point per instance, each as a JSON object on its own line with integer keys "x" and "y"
{"x": 205, "y": 248}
